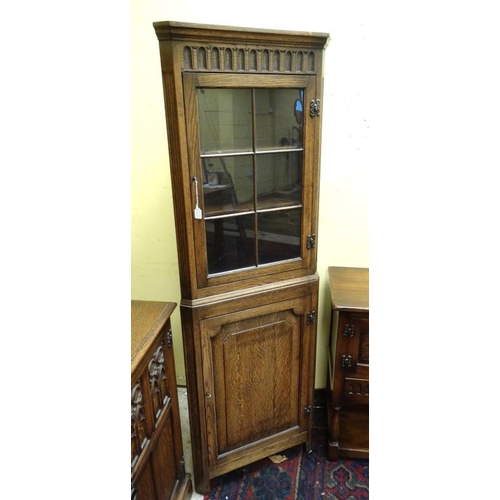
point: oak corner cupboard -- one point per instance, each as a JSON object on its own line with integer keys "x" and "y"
{"x": 243, "y": 110}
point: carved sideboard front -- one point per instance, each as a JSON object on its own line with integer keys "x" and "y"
{"x": 156, "y": 441}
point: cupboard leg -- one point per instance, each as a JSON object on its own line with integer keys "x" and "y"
{"x": 202, "y": 485}
{"x": 333, "y": 435}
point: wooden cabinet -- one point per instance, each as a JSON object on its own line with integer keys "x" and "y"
{"x": 243, "y": 109}
{"x": 243, "y": 112}
{"x": 250, "y": 368}
{"x": 348, "y": 380}
{"x": 156, "y": 450}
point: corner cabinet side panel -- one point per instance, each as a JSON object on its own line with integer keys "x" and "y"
{"x": 255, "y": 378}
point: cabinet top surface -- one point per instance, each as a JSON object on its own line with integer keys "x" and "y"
{"x": 172, "y": 30}
{"x": 349, "y": 288}
{"x": 147, "y": 319}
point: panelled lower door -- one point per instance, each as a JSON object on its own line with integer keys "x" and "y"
{"x": 255, "y": 377}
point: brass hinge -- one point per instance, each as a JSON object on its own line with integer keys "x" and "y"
{"x": 307, "y": 411}
{"x": 348, "y": 331}
{"x": 346, "y": 361}
{"x": 314, "y": 108}
{"x": 169, "y": 338}
{"x": 311, "y": 317}
{"x": 182, "y": 469}
{"x": 311, "y": 241}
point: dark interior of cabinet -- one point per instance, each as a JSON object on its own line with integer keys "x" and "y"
{"x": 231, "y": 241}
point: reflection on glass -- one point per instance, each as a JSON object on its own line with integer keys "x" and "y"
{"x": 279, "y": 179}
{"x": 276, "y": 124}
{"x": 230, "y": 243}
{"x": 227, "y": 184}
{"x": 225, "y": 119}
{"x": 299, "y": 111}
{"x": 279, "y": 235}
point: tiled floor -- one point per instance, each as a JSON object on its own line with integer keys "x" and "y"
{"x": 186, "y": 437}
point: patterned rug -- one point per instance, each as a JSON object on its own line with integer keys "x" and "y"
{"x": 296, "y": 475}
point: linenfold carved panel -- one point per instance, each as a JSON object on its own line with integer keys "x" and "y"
{"x": 214, "y": 58}
{"x": 138, "y": 432}
{"x": 158, "y": 382}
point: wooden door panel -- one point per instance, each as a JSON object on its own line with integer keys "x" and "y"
{"x": 253, "y": 375}
{"x": 259, "y": 378}
{"x": 144, "y": 484}
{"x": 363, "y": 328}
{"x": 164, "y": 460}
{"x": 353, "y": 341}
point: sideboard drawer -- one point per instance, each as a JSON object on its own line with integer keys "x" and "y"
{"x": 355, "y": 390}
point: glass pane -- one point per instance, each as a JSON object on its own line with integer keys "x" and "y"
{"x": 230, "y": 243}
{"x": 227, "y": 185}
{"x": 225, "y": 119}
{"x": 276, "y": 122}
{"x": 279, "y": 235}
{"x": 279, "y": 179}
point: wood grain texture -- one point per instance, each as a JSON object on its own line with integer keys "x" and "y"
{"x": 349, "y": 288}
{"x": 172, "y": 30}
{"x": 147, "y": 320}
{"x": 250, "y": 374}
{"x": 257, "y": 370}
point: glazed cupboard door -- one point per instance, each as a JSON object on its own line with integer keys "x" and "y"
{"x": 256, "y": 371}
{"x": 251, "y": 164}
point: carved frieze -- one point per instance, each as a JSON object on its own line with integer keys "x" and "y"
{"x": 234, "y": 59}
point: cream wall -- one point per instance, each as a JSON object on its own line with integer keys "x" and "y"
{"x": 343, "y": 218}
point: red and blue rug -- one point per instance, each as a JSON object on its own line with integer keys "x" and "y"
{"x": 301, "y": 476}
